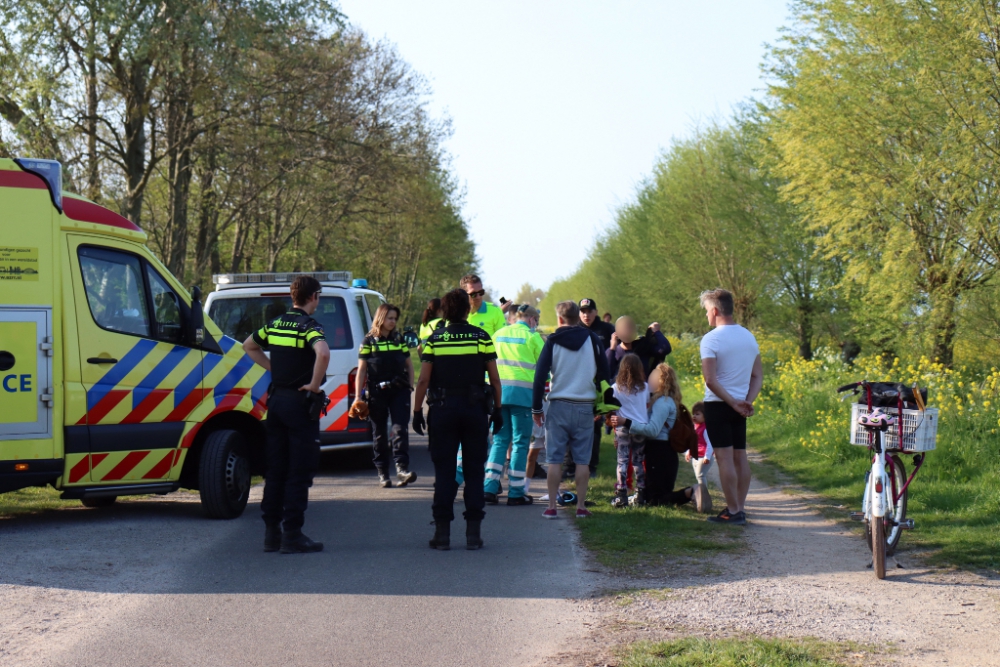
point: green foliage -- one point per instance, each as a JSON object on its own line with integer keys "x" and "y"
{"x": 710, "y": 216}
{"x": 245, "y": 136}
{"x": 742, "y": 652}
{"x": 884, "y": 122}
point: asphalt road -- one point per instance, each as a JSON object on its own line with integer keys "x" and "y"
{"x": 151, "y": 582}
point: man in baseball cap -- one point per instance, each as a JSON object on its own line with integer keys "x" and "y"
{"x": 590, "y": 319}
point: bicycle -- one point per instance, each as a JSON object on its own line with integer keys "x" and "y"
{"x": 889, "y": 432}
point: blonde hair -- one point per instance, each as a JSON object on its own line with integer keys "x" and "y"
{"x": 380, "y": 314}
{"x": 631, "y": 376}
{"x": 667, "y": 384}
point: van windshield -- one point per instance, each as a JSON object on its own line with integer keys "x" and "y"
{"x": 241, "y": 316}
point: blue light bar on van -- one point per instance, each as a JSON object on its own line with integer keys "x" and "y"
{"x": 360, "y": 283}
{"x": 223, "y": 280}
{"x": 50, "y": 171}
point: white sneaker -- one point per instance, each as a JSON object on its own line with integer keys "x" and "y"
{"x": 544, "y": 499}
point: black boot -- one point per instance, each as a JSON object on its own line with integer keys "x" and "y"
{"x": 640, "y": 497}
{"x": 472, "y": 539}
{"x": 383, "y": 479}
{"x": 442, "y": 536}
{"x": 621, "y": 498}
{"x": 297, "y": 543}
{"x": 404, "y": 475}
{"x": 272, "y": 538}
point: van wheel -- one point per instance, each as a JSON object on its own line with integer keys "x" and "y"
{"x": 100, "y": 501}
{"x": 224, "y": 475}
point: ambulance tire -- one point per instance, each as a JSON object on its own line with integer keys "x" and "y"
{"x": 224, "y": 475}
{"x": 100, "y": 501}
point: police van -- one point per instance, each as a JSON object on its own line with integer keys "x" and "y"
{"x": 244, "y": 302}
{"x": 112, "y": 380}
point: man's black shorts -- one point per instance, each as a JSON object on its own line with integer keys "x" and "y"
{"x": 725, "y": 426}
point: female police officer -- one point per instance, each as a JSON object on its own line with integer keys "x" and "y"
{"x": 384, "y": 365}
{"x": 454, "y": 361}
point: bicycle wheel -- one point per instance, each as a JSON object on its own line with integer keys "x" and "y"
{"x": 878, "y": 547}
{"x": 899, "y": 508}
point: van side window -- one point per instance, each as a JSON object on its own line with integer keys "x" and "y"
{"x": 366, "y": 322}
{"x": 166, "y": 308}
{"x": 115, "y": 291}
{"x": 373, "y": 303}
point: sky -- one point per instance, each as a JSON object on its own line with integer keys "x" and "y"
{"x": 560, "y": 108}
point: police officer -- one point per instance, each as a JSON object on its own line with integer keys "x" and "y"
{"x": 384, "y": 367}
{"x": 299, "y": 357}
{"x": 455, "y": 360}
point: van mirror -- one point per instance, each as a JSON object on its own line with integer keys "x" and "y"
{"x": 194, "y": 330}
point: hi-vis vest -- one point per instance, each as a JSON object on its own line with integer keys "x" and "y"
{"x": 517, "y": 349}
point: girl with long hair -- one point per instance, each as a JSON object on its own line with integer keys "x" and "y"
{"x": 661, "y": 460}
{"x": 631, "y": 390}
{"x": 386, "y": 372}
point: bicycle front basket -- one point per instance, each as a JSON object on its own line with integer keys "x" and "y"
{"x": 919, "y": 430}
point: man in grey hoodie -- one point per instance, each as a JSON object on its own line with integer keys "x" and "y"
{"x": 574, "y": 357}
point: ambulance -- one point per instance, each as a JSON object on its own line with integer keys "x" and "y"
{"x": 243, "y": 302}
{"x": 112, "y": 380}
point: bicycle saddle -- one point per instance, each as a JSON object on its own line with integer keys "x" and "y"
{"x": 877, "y": 419}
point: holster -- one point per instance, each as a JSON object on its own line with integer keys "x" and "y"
{"x": 317, "y": 403}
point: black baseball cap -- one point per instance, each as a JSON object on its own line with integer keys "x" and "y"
{"x": 588, "y": 304}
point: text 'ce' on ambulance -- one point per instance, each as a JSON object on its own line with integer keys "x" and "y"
{"x": 112, "y": 380}
{"x": 244, "y": 302}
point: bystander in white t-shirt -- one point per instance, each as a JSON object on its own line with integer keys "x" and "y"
{"x": 633, "y": 405}
{"x": 734, "y": 350}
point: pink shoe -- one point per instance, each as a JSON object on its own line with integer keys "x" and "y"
{"x": 550, "y": 514}
{"x": 583, "y": 514}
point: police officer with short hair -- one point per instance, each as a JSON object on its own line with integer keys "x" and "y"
{"x": 455, "y": 360}
{"x": 299, "y": 358}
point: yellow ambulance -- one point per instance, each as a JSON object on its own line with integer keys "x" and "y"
{"x": 112, "y": 380}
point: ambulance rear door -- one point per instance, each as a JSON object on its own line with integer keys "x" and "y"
{"x": 25, "y": 373}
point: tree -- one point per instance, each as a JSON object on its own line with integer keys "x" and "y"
{"x": 882, "y": 118}
{"x": 529, "y": 295}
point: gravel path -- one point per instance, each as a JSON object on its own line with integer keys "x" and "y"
{"x": 805, "y": 576}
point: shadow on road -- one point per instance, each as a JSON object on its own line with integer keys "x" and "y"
{"x": 376, "y": 544}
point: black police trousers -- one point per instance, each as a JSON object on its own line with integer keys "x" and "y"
{"x": 385, "y": 406}
{"x": 292, "y": 459}
{"x": 458, "y": 422}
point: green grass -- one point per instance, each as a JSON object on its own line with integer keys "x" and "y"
{"x": 956, "y": 507}
{"x": 754, "y": 652}
{"x": 30, "y": 500}
{"x": 636, "y": 538}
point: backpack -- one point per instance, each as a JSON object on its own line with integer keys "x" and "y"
{"x": 683, "y": 437}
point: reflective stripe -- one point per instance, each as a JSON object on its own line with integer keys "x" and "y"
{"x": 515, "y": 482}
{"x": 517, "y": 383}
{"x": 520, "y": 364}
{"x": 509, "y": 339}
{"x": 492, "y": 476}
{"x": 494, "y": 466}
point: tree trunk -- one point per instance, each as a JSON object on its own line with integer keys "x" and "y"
{"x": 93, "y": 176}
{"x": 136, "y": 103}
{"x": 943, "y": 324}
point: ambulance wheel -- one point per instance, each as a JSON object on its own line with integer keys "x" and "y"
{"x": 100, "y": 501}
{"x": 224, "y": 475}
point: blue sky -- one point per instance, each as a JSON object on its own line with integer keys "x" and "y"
{"x": 560, "y": 107}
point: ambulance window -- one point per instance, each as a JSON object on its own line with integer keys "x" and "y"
{"x": 115, "y": 291}
{"x": 166, "y": 309}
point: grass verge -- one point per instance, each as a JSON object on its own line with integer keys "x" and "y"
{"x": 753, "y": 652}
{"x": 635, "y": 539}
{"x": 30, "y": 500}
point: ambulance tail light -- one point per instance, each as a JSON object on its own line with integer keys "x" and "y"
{"x": 352, "y": 378}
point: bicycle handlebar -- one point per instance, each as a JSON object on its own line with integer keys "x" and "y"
{"x": 848, "y": 387}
